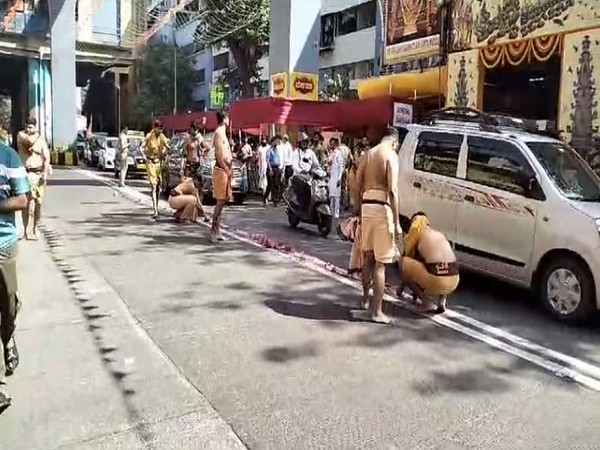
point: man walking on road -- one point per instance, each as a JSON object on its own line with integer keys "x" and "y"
{"x": 286, "y": 151}
{"x": 274, "y": 174}
{"x": 155, "y": 146}
{"x": 222, "y": 174}
{"x": 123, "y": 155}
{"x": 377, "y": 181}
{"x": 336, "y": 172}
{"x": 13, "y": 197}
{"x": 36, "y": 159}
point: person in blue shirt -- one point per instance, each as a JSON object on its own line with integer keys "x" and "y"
{"x": 274, "y": 173}
{"x": 14, "y": 191}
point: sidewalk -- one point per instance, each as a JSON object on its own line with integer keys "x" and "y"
{"x": 79, "y": 384}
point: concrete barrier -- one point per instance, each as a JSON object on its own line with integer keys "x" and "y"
{"x": 67, "y": 158}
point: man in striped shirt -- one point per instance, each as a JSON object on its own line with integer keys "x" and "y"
{"x": 14, "y": 190}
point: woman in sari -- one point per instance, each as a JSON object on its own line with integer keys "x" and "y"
{"x": 185, "y": 200}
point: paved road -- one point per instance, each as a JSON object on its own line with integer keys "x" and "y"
{"x": 486, "y": 300}
{"x": 271, "y": 345}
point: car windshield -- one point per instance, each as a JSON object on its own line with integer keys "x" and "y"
{"x": 111, "y": 143}
{"x": 569, "y": 172}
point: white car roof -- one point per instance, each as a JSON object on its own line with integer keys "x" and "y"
{"x": 473, "y": 129}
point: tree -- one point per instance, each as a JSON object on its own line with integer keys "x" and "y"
{"x": 155, "y": 78}
{"x": 336, "y": 88}
{"x": 243, "y": 26}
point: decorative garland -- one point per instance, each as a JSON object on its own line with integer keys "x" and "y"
{"x": 514, "y": 53}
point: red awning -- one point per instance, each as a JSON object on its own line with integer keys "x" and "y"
{"x": 354, "y": 114}
{"x": 183, "y": 122}
{"x": 252, "y": 113}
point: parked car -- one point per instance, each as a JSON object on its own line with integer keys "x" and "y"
{"x": 136, "y": 164}
{"x": 519, "y": 206}
{"x": 107, "y": 156}
{"x": 93, "y": 146}
{"x": 171, "y": 174}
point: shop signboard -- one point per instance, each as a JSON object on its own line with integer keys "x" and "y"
{"x": 279, "y": 85}
{"x": 403, "y": 114}
{"x": 304, "y": 86}
{"x": 411, "y": 30}
{"x": 217, "y": 97}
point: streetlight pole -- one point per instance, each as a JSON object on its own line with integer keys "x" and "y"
{"x": 379, "y": 38}
{"x": 174, "y": 71}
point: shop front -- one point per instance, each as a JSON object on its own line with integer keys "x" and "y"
{"x": 534, "y": 59}
{"x": 415, "y": 73}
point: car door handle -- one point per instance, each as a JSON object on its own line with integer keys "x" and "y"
{"x": 417, "y": 184}
{"x": 469, "y": 198}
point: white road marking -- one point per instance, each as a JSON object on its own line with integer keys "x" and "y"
{"x": 559, "y": 364}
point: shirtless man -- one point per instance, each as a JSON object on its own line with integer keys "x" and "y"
{"x": 377, "y": 201}
{"x": 36, "y": 159}
{"x": 194, "y": 148}
{"x": 155, "y": 146}
{"x": 428, "y": 266}
{"x": 222, "y": 174}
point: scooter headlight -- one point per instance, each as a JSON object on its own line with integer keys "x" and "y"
{"x": 597, "y": 222}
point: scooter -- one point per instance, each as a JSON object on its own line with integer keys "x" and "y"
{"x": 309, "y": 204}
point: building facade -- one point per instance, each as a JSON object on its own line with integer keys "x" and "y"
{"x": 51, "y": 48}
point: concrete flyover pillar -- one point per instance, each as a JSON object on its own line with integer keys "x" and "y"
{"x": 62, "y": 44}
{"x": 294, "y": 48}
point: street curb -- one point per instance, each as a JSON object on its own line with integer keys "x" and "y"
{"x": 560, "y": 365}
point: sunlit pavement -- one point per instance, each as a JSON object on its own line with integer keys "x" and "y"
{"x": 271, "y": 345}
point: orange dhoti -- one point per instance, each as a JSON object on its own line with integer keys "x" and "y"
{"x": 377, "y": 227}
{"x": 221, "y": 184}
{"x": 186, "y": 206}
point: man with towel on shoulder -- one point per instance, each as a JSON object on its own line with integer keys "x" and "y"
{"x": 428, "y": 266}
{"x": 377, "y": 200}
{"x": 222, "y": 174}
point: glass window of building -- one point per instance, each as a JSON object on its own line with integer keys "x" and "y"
{"x": 347, "y": 22}
{"x": 221, "y": 61}
{"x": 366, "y": 14}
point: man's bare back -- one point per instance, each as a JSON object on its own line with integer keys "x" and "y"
{"x": 434, "y": 247}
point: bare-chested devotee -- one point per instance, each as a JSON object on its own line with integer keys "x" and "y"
{"x": 429, "y": 266}
{"x": 222, "y": 174}
{"x": 377, "y": 189}
{"x": 35, "y": 155}
{"x": 194, "y": 150}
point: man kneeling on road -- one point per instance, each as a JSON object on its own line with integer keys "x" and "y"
{"x": 429, "y": 266}
{"x": 13, "y": 197}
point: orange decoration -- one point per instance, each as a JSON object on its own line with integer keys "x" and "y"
{"x": 514, "y": 53}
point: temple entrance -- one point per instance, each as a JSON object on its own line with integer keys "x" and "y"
{"x": 529, "y": 90}
{"x": 522, "y": 79}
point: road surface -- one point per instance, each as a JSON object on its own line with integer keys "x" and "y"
{"x": 270, "y": 344}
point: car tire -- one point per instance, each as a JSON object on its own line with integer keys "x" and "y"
{"x": 239, "y": 199}
{"x": 117, "y": 174}
{"x": 577, "y": 275}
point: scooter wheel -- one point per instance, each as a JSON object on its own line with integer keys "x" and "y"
{"x": 325, "y": 227}
{"x": 293, "y": 220}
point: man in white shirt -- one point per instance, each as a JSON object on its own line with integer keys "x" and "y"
{"x": 305, "y": 158}
{"x": 262, "y": 165}
{"x": 286, "y": 151}
{"x": 123, "y": 148}
{"x": 336, "y": 171}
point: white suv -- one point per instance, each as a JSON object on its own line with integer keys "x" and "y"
{"x": 519, "y": 206}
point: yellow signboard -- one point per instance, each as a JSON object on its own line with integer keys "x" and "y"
{"x": 304, "y": 86}
{"x": 279, "y": 85}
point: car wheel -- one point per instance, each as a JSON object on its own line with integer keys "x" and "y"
{"x": 117, "y": 174}
{"x": 567, "y": 289}
{"x": 239, "y": 199}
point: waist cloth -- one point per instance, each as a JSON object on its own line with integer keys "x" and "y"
{"x": 221, "y": 184}
{"x": 154, "y": 170}
{"x": 34, "y": 176}
{"x": 438, "y": 278}
{"x": 377, "y": 226}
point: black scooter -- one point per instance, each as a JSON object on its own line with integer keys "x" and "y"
{"x": 307, "y": 200}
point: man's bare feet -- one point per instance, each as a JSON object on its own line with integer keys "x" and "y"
{"x": 364, "y": 302}
{"x": 213, "y": 238}
{"x": 381, "y": 318}
{"x": 220, "y": 237}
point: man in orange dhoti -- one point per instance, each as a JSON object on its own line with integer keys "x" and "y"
{"x": 222, "y": 174}
{"x": 377, "y": 183}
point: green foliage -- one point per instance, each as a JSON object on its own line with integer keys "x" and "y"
{"x": 155, "y": 78}
{"x": 5, "y": 111}
{"x": 336, "y": 88}
{"x": 221, "y": 24}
